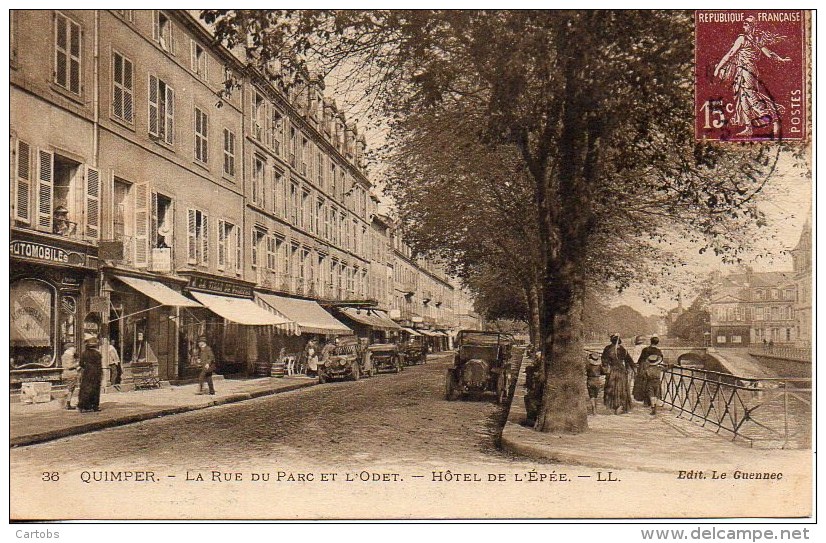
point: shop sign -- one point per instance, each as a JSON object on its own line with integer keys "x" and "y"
{"x": 161, "y": 260}
{"x": 217, "y": 286}
{"x": 99, "y": 304}
{"x": 31, "y": 315}
{"x": 38, "y": 251}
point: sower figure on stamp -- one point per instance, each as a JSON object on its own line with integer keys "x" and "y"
{"x": 617, "y": 395}
{"x": 206, "y": 359}
{"x": 753, "y": 105}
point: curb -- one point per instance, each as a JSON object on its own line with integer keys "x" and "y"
{"x": 32, "y": 439}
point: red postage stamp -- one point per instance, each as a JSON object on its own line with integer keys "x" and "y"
{"x": 750, "y": 75}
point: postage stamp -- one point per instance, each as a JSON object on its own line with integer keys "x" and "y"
{"x": 750, "y": 71}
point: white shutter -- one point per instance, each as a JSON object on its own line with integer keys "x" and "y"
{"x": 239, "y": 251}
{"x": 23, "y": 184}
{"x": 153, "y": 105}
{"x": 192, "y": 238}
{"x": 91, "y": 208}
{"x": 156, "y": 32}
{"x": 222, "y": 245}
{"x": 142, "y": 202}
{"x": 170, "y": 115}
{"x": 204, "y": 239}
{"x": 193, "y": 58}
{"x": 45, "y": 189}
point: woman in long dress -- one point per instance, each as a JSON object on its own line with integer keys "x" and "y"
{"x": 90, "y": 377}
{"x": 753, "y": 105}
{"x": 617, "y": 396}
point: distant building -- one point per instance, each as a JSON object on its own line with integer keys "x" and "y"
{"x": 802, "y": 270}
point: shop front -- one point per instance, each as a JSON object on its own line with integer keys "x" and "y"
{"x": 144, "y": 325}
{"x": 372, "y": 324}
{"x": 240, "y": 332}
{"x": 51, "y": 301}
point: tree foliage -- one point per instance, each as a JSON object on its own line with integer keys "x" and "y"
{"x": 569, "y": 133}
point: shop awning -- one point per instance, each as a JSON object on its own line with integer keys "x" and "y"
{"x": 158, "y": 292}
{"x": 440, "y": 334}
{"x": 240, "y": 310}
{"x": 411, "y": 331}
{"x": 306, "y": 315}
{"x": 372, "y": 318}
{"x": 428, "y": 333}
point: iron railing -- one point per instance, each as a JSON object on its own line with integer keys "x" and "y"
{"x": 772, "y": 412}
{"x": 799, "y": 354}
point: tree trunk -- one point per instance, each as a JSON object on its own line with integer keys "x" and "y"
{"x": 564, "y": 407}
{"x": 533, "y": 302}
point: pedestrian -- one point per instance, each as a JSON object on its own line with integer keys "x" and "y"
{"x": 617, "y": 396}
{"x": 206, "y": 359}
{"x": 635, "y": 351}
{"x": 595, "y": 380}
{"x": 70, "y": 365}
{"x": 765, "y": 345}
{"x": 91, "y": 366}
{"x": 311, "y": 354}
{"x": 115, "y": 370}
{"x": 647, "y": 384}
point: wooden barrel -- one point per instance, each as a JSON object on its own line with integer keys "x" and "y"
{"x": 278, "y": 369}
{"x": 263, "y": 368}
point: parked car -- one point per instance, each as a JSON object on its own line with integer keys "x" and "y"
{"x": 386, "y": 357}
{"x": 345, "y": 362}
{"x": 481, "y": 364}
{"x": 414, "y": 351}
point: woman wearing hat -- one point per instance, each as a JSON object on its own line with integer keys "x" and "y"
{"x": 90, "y": 376}
{"x": 617, "y": 395}
{"x": 647, "y": 384}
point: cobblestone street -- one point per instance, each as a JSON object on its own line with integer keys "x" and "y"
{"x": 389, "y": 419}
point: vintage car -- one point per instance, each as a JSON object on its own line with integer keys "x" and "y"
{"x": 481, "y": 364}
{"x": 386, "y": 357}
{"x": 346, "y": 361}
{"x": 414, "y": 351}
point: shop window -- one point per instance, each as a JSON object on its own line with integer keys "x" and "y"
{"x": 32, "y": 339}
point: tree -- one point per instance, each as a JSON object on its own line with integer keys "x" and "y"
{"x": 598, "y": 107}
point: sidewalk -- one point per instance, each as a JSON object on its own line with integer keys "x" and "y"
{"x": 639, "y": 441}
{"x": 36, "y": 423}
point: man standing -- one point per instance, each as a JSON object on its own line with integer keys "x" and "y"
{"x": 69, "y": 363}
{"x": 114, "y": 365}
{"x": 206, "y": 359}
{"x": 91, "y": 372}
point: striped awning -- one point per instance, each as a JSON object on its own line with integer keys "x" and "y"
{"x": 240, "y": 310}
{"x": 373, "y": 318}
{"x": 411, "y": 331}
{"x": 305, "y": 316}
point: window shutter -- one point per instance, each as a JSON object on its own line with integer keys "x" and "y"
{"x": 239, "y": 251}
{"x": 204, "y": 239}
{"x": 153, "y": 105}
{"x": 222, "y": 244}
{"x": 170, "y": 114}
{"x": 45, "y": 189}
{"x": 191, "y": 239}
{"x": 22, "y": 196}
{"x": 156, "y": 32}
{"x": 172, "y": 45}
{"x": 153, "y": 223}
{"x": 142, "y": 202}
{"x": 193, "y": 58}
{"x": 92, "y": 203}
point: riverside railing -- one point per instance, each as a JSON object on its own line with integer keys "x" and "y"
{"x": 798, "y": 354}
{"x": 771, "y": 412}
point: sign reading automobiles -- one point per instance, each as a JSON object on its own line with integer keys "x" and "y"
{"x": 38, "y": 251}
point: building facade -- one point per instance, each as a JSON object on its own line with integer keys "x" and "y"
{"x": 765, "y": 307}
{"x": 151, "y": 166}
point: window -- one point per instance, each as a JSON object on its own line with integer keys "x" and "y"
{"x": 271, "y": 249}
{"x": 320, "y": 168}
{"x": 277, "y": 127}
{"x": 199, "y": 60}
{"x": 319, "y": 217}
{"x": 122, "y": 87}
{"x": 278, "y": 200}
{"x": 33, "y": 328}
{"x": 162, "y": 32}
{"x": 229, "y": 152}
{"x": 258, "y": 180}
{"x": 67, "y": 53}
{"x": 736, "y": 339}
{"x": 258, "y": 108}
{"x": 305, "y": 153}
{"x": 293, "y": 146}
{"x": 293, "y": 204}
{"x": 161, "y": 110}
{"x": 201, "y": 136}
{"x": 228, "y": 239}
{"x": 122, "y": 212}
{"x": 197, "y": 237}
{"x": 306, "y": 210}
{"x": 258, "y": 237}
{"x": 126, "y": 14}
